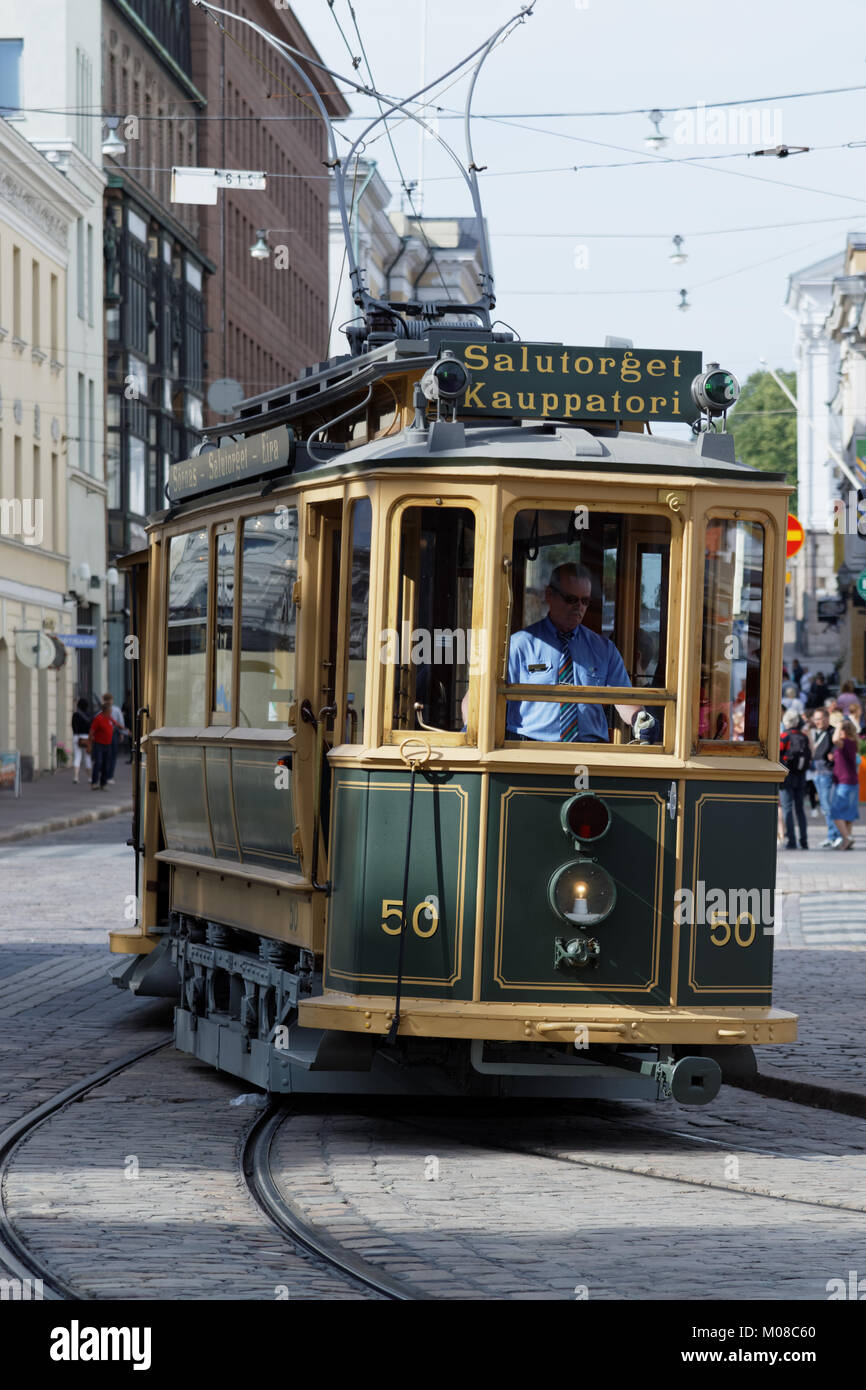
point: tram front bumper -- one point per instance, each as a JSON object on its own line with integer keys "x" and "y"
{"x": 582, "y": 1025}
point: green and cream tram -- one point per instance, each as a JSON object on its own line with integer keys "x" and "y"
{"x": 328, "y": 614}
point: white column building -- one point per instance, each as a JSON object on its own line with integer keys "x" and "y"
{"x": 813, "y": 570}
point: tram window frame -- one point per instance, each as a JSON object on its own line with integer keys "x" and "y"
{"x": 170, "y": 719}
{"x": 759, "y": 746}
{"x": 391, "y": 734}
{"x": 287, "y": 504}
{"x": 652, "y": 697}
{"x": 354, "y": 731}
{"x": 223, "y": 718}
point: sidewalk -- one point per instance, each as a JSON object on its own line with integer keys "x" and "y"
{"x": 54, "y": 802}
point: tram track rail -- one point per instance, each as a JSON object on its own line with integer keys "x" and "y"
{"x": 258, "y": 1176}
{"x": 15, "y": 1255}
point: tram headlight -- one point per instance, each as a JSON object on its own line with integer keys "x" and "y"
{"x": 582, "y": 892}
{"x": 585, "y": 817}
{"x": 715, "y": 390}
{"x": 446, "y": 380}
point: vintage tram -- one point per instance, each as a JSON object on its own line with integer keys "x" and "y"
{"x": 369, "y": 858}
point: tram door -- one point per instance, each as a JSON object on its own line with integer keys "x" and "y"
{"x": 325, "y": 531}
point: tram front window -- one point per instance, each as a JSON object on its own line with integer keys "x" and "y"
{"x": 589, "y": 608}
{"x": 434, "y": 648}
{"x": 731, "y": 646}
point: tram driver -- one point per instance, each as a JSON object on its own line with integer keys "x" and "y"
{"x": 559, "y": 649}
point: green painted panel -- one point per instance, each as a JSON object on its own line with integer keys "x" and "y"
{"x": 729, "y": 868}
{"x": 264, "y": 808}
{"x": 182, "y": 798}
{"x": 368, "y": 837}
{"x": 219, "y": 798}
{"x": 526, "y": 844}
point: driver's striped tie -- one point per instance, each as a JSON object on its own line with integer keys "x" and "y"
{"x": 569, "y": 715}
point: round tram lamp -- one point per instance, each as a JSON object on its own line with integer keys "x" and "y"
{"x": 715, "y": 390}
{"x": 585, "y": 817}
{"x": 582, "y": 893}
{"x": 447, "y": 380}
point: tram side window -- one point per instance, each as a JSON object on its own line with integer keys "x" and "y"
{"x": 269, "y": 569}
{"x": 589, "y": 607}
{"x": 186, "y": 637}
{"x": 731, "y": 645}
{"x": 358, "y": 620}
{"x": 434, "y": 650}
{"x": 225, "y": 605}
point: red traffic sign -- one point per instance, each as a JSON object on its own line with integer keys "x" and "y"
{"x": 796, "y": 536}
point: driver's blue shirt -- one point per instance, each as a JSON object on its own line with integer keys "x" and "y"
{"x": 533, "y": 659}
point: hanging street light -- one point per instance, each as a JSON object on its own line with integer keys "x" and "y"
{"x": 112, "y": 144}
{"x": 260, "y": 251}
{"x": 684, "y": 300}
{"x": 678, "y": 256}
{"x": 656, "y": 141}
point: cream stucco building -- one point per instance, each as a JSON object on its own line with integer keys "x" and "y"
{"x": 37, "y": 207}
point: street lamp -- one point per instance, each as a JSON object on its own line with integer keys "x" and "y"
{"x": 678, "y": 256}
{"x": 112, "y": 144}
{"x": 656, "y": 141}
{"x": 260, "y": 250}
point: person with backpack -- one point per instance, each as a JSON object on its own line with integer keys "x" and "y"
{"x": 796, "y": 755}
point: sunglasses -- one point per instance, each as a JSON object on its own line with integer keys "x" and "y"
{"x": 572, "y": 600}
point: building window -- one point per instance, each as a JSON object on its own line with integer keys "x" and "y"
{"x": 90, "y": 270}
{"x": 16, "y": 292}
{"x": 79, "y": 265}
{"x": 10, "y": 78}
{"x": 82, "y": 426}
{"x": 17, "y": 465}
{"x": 54, "y": 310}
{"x": 91, "y": 428}
{"x": 84, "y": 102}
{"x": 35, "y": 314}
{"x": 137, "y": 452}
{"x": 37, "y": 477}
{"x": 57, "y": 523}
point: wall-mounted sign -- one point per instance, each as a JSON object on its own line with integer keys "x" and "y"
{"x": 549, "y": 381}
{"x": 85, "y": 640}
{"x": 271, "y": 451}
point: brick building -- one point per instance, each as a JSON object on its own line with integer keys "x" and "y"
{"x": 267, "y": 317}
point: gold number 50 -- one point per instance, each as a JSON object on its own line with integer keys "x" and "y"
{"x": 720, "y": 923}
{"x": 393, "y": 907}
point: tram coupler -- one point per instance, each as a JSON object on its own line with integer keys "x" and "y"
{"x": 689, "y": 1080}
{"x": 571, "y": 955}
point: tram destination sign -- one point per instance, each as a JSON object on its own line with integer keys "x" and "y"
{"x": 271, "y": 451}
{"x": 549, "y": 381}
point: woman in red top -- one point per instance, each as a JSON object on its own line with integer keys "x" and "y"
{"x": 101, "y": 735}
{"x": 846, "y": 794}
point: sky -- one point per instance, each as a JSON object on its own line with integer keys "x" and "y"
{"x": 581, "y": 254}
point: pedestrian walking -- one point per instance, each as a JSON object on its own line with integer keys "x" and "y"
{"x": 81, "y": 738}
{"x": 796, "y": 755}
{"x": 855, "y": 714}
{"x": 822, "y": 769}
{"x": 844, "y": 806}
{"x": 847, "y": 696}
{"x": 101, "y": 735}
{"x": 818, "y": 692}
{"x": 115, "y": 714}
{"x": 796, "y": 672}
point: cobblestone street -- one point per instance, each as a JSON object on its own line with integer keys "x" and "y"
{"x": 136, "y": 1191}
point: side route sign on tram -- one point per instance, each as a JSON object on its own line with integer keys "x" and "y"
{"x": 548, "y": 380}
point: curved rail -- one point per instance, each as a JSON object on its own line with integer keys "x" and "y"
{"x": 257, "y": 1174}
{"x": 22, "y": 1262}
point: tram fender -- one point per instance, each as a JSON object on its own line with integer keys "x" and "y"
{"x": 156, "y": 974}
{"x": 339, "y": 1051}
